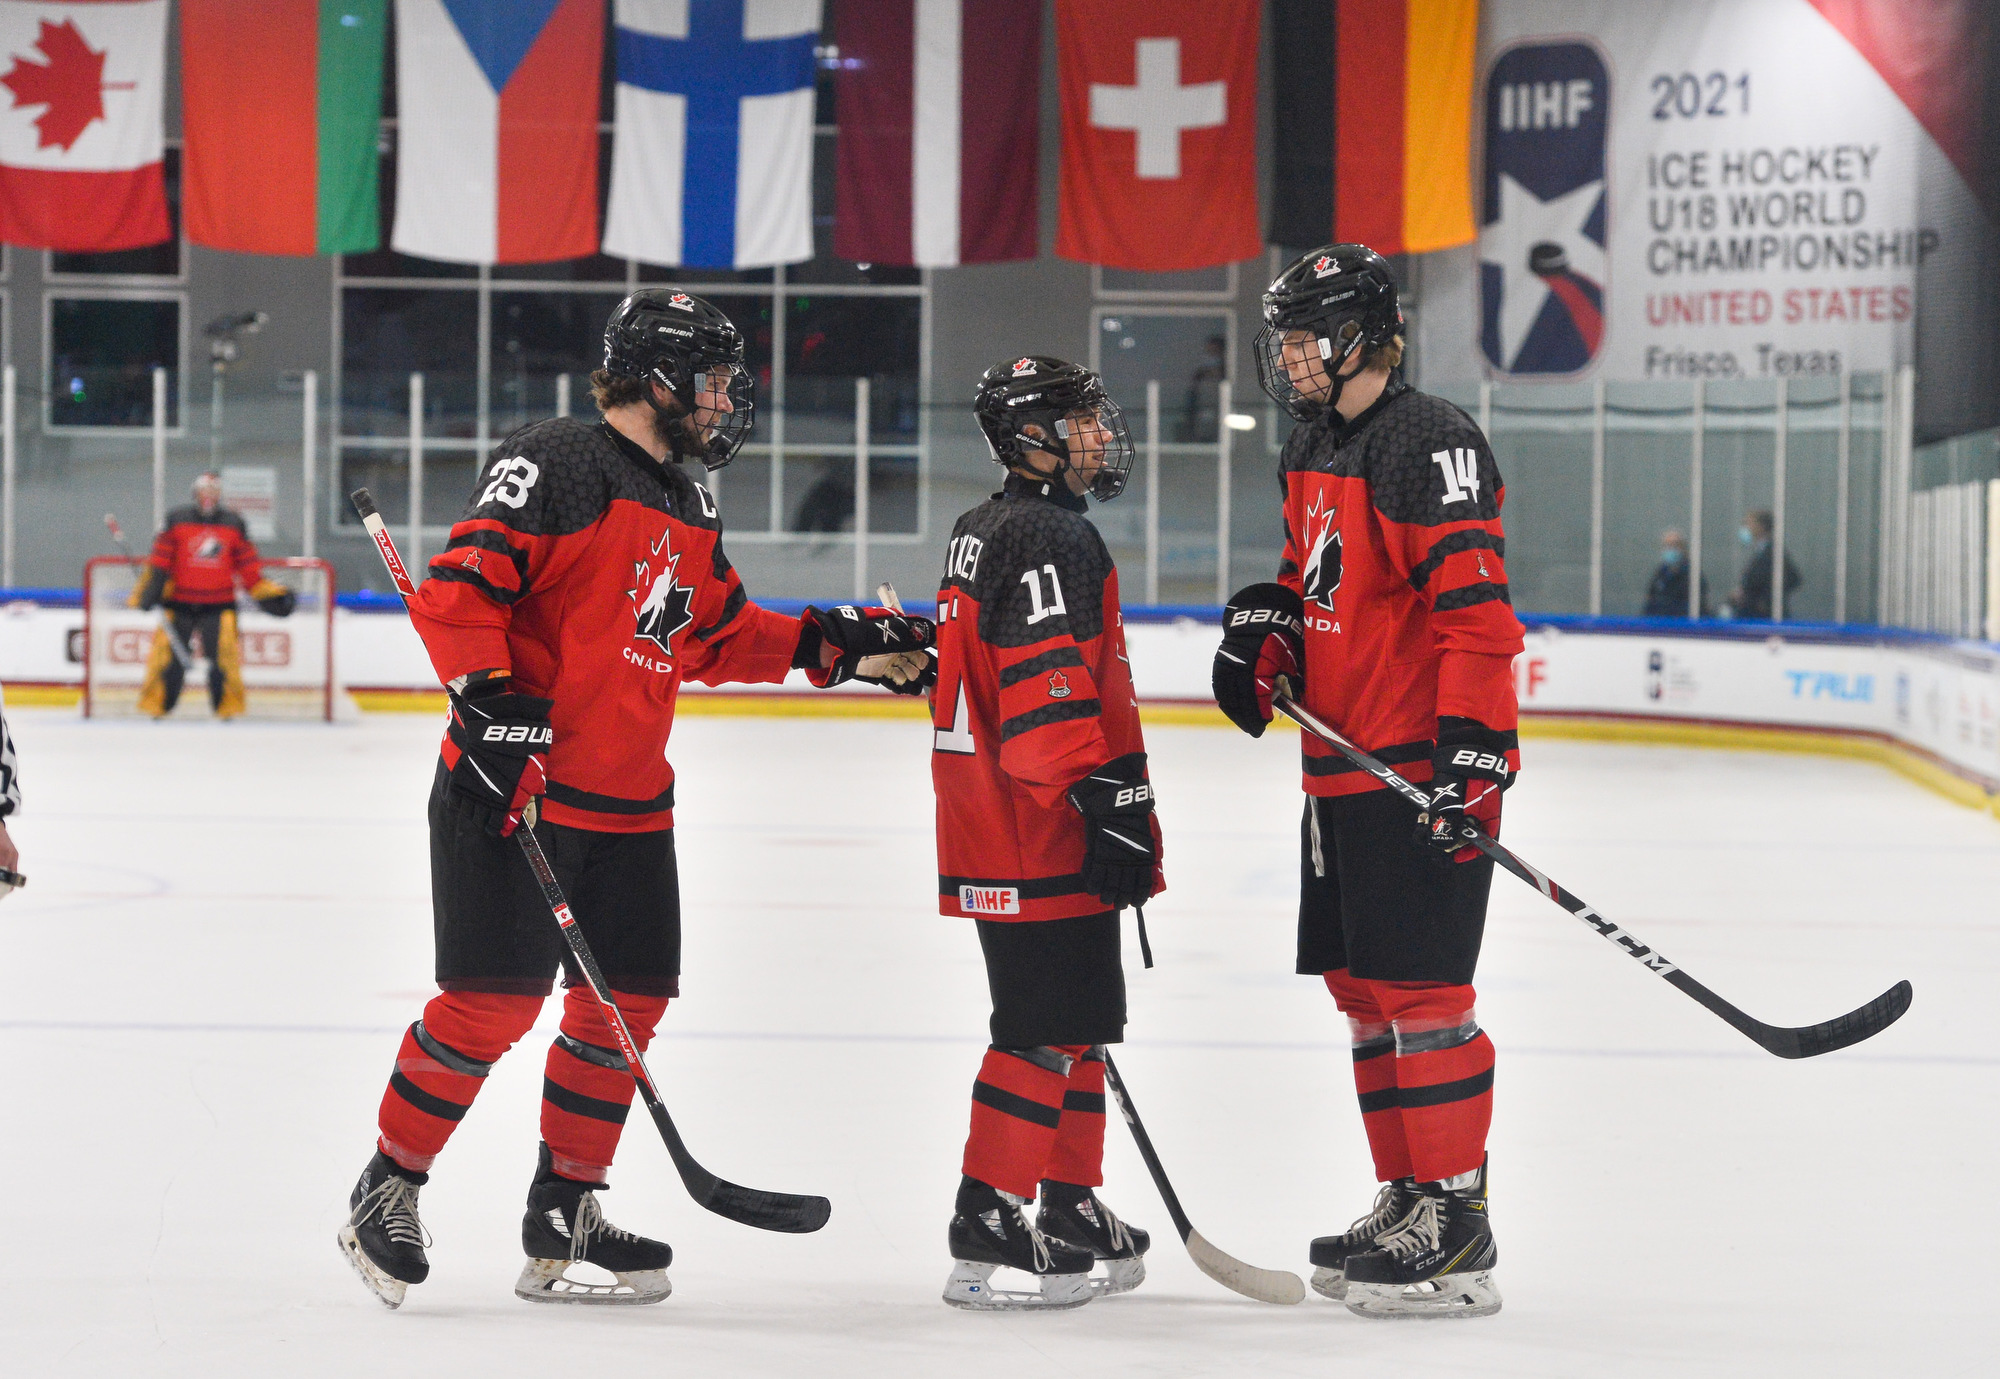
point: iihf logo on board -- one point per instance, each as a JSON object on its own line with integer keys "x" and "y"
{"x": 1542, "y": 236}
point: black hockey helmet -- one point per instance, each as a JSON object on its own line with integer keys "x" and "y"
{"x": 1047, "y": 393}
{"x": 673, "y": 338}
{"x": 1345, "y": 296}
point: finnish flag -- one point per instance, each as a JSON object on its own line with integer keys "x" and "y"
{"x": 712, "y": 161}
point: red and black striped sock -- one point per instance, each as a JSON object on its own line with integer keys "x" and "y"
{"x": 442, "y": 1065}
{"x": 1444, "y": 1077}
{"x": 1017, "y": 1105}
{"x": 586, "y": 1088}
{"x": 1078, "y": 1153}
{"x": 1374, "y": 1047}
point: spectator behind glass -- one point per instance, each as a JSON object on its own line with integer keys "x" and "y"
{"x": 1752, "y": 599}
{"x": 1667, "y": 595}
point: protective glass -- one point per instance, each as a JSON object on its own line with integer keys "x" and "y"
{"x": 1100, "y": 448}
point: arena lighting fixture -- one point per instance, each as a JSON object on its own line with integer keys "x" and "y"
{"x": 1240, "y": 421}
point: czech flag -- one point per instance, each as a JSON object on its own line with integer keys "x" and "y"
{"x": 496, "y": 149}
{"x": 1374, "y": 109}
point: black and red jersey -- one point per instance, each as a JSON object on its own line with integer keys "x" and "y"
{"x": 204, "y": 555}
{"x": 1033, "y": 692}
{"x": 594, "y": 575}
{"x": 1393, "y": 540}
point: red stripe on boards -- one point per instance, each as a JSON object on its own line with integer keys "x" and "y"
{"x": 250, "y": 108}
{"x": 999, "y": 140}
{"x": 1369, "y": 47}
{"x": 875, "y": 100}
{"x": 548, "y": 141}
{"x": 43, "y": 209}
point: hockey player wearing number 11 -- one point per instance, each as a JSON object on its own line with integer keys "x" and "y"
{"x": 1045, "y": 829}
{"x": 1391, "y": 620}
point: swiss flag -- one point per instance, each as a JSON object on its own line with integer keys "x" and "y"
{"x": 80, "y": 124}
{"x": 1159, "y": 132}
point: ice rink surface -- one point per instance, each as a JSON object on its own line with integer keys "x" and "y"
{"x": 228, "y": 928}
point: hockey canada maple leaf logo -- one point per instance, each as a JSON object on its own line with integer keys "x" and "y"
{"x": 664, "y": 607}
{"x": 1023, "y": 367}
{"x": 70, "y": 84}
{"x": 1058, "y": 685}
{"x": 1321, "y": 571}
{"x": 1322, "y": 266}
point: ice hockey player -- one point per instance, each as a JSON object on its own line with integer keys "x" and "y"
{"x": 1390, "y": 619}
{"x": 199, "y": 557}
{"x": 1045, "y": 830}
{"x": 585, "y": 582}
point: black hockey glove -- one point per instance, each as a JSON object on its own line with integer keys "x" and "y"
{"x": 1263, "y": 637}
{"x": 1120, "y": 853}
{"x": 874, "y": 645}
{"x": 503, "y": 740}
{"x": 152, "y": 584}
{"x": 274, "y": 598}
{"x": 1468, "y": 771}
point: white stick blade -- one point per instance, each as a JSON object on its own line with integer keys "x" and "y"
{"x": 1265, "y": 1285}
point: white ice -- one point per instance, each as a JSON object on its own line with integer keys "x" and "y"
{"x": 228, "y": 928}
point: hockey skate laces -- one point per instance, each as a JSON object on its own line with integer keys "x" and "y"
{"x": 1382, "y": 1215}
{"x": 1415, "y": 1233}
{"x": 590, "y": 1222}
{"x": 396, "y": 1202}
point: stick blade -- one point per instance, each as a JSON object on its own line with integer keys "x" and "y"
{"x": 788, "y": 1212}
{"x": 1810, "y": 1041}
{"x": 1264, "y": 1285}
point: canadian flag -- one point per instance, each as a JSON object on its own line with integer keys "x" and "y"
{"x": 80, "y": 124}
{"x": 1159, "y": 136}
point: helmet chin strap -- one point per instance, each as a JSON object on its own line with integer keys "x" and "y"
{"x": 1060, "y": 456}
{"x": 1336, "y": 381}
{"x": 679, "y": 442}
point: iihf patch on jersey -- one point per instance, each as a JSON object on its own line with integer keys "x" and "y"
{"x": 1541, "y": 242}
{"x": 990, "y": 900}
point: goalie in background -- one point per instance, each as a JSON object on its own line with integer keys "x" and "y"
{"x": 199, "y": 557}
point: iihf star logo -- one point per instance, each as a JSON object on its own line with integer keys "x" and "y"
{"x": 666, "y": 607}
{"x": 1321, "y": 571}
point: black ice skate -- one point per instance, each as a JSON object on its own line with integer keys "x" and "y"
{"x": 383, "y": 1239}
{"x": 1073, "y": 1215}
{"x": 1330, "y": 1252}
{"x": 1435, "y": 1261}
{"x": 565, "y": 1226}
{"x": 989, "y": 1231}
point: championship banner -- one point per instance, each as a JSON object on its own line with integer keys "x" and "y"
{"x": 1714, "y": 189}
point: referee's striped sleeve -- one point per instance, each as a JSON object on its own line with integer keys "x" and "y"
{"x": 10, "y": 769}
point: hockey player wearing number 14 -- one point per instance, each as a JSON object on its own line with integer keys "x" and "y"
{"x": 1391, "y": 620}
{"x": 1045, "y": 829}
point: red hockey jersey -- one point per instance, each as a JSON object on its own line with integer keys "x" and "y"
{"x": 204, "y": 556}
{"x": 1393, "y": 540}
{"x": 1033, "y": 692}
{"x": 594, "y": 575}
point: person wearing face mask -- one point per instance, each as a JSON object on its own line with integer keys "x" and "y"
{"x": 1667, "y": 595}
{"x": 1752, "y": 600}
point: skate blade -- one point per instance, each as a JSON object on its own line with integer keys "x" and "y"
{"x": 970, "y": 1287}
{"x": 542, "y": 1280}
{"x": 1120, "y": 1276}
{"x": 390, "y": 1290}
{"x": 1330, "y": 1283}
{"x": 1450, "y": 1296}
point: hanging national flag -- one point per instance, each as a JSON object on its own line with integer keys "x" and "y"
{"x": 1374, "y": 118}
{"x": 938, "y": 103}
{"x": 80, "y": 125}
{"x": 496, "y": 148}
{"x": 1159, "y": 110}
{"x": 712, "y": 162}
{"x": 281, "y": 103}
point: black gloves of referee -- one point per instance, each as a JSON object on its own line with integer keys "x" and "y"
{"x": 1120, "y": 853}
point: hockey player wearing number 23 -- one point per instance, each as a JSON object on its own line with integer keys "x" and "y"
{"x": 585, "y": 582}
{"x": 1045, "y": 829}
{"x": 1390, "y": 619}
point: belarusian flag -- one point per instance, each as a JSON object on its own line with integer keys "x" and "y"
{"x": 280, "y": 104}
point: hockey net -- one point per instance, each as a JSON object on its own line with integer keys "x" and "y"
{"x": 288, "y": 665}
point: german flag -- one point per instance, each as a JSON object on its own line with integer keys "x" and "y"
{"x": 1374, "y": 123}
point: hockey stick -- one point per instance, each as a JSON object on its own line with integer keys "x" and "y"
{"x": 1805, "y": 1041}
{"x": 1265, "y": 1285}
{"x": 182, "y": 652}
{"x": 770, "y": 1211}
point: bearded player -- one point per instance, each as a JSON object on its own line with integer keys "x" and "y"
{"x": 585, "y": 582}
{"x": 1391, "y": 620}
{"x": 1045, "y": 829}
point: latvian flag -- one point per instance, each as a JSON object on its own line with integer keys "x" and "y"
{"x": 1374, "y": 105}
{"x": 80, "y": 125}
{"x": 938, "y": 107}
{"x": 496, "y": 148}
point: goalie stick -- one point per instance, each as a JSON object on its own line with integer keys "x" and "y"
{"x": 1265, "y": 1285}
{"x": 770, "y": 1211}
{"x": 1805, "y": 1041}
{"x": 181, "y": 651}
